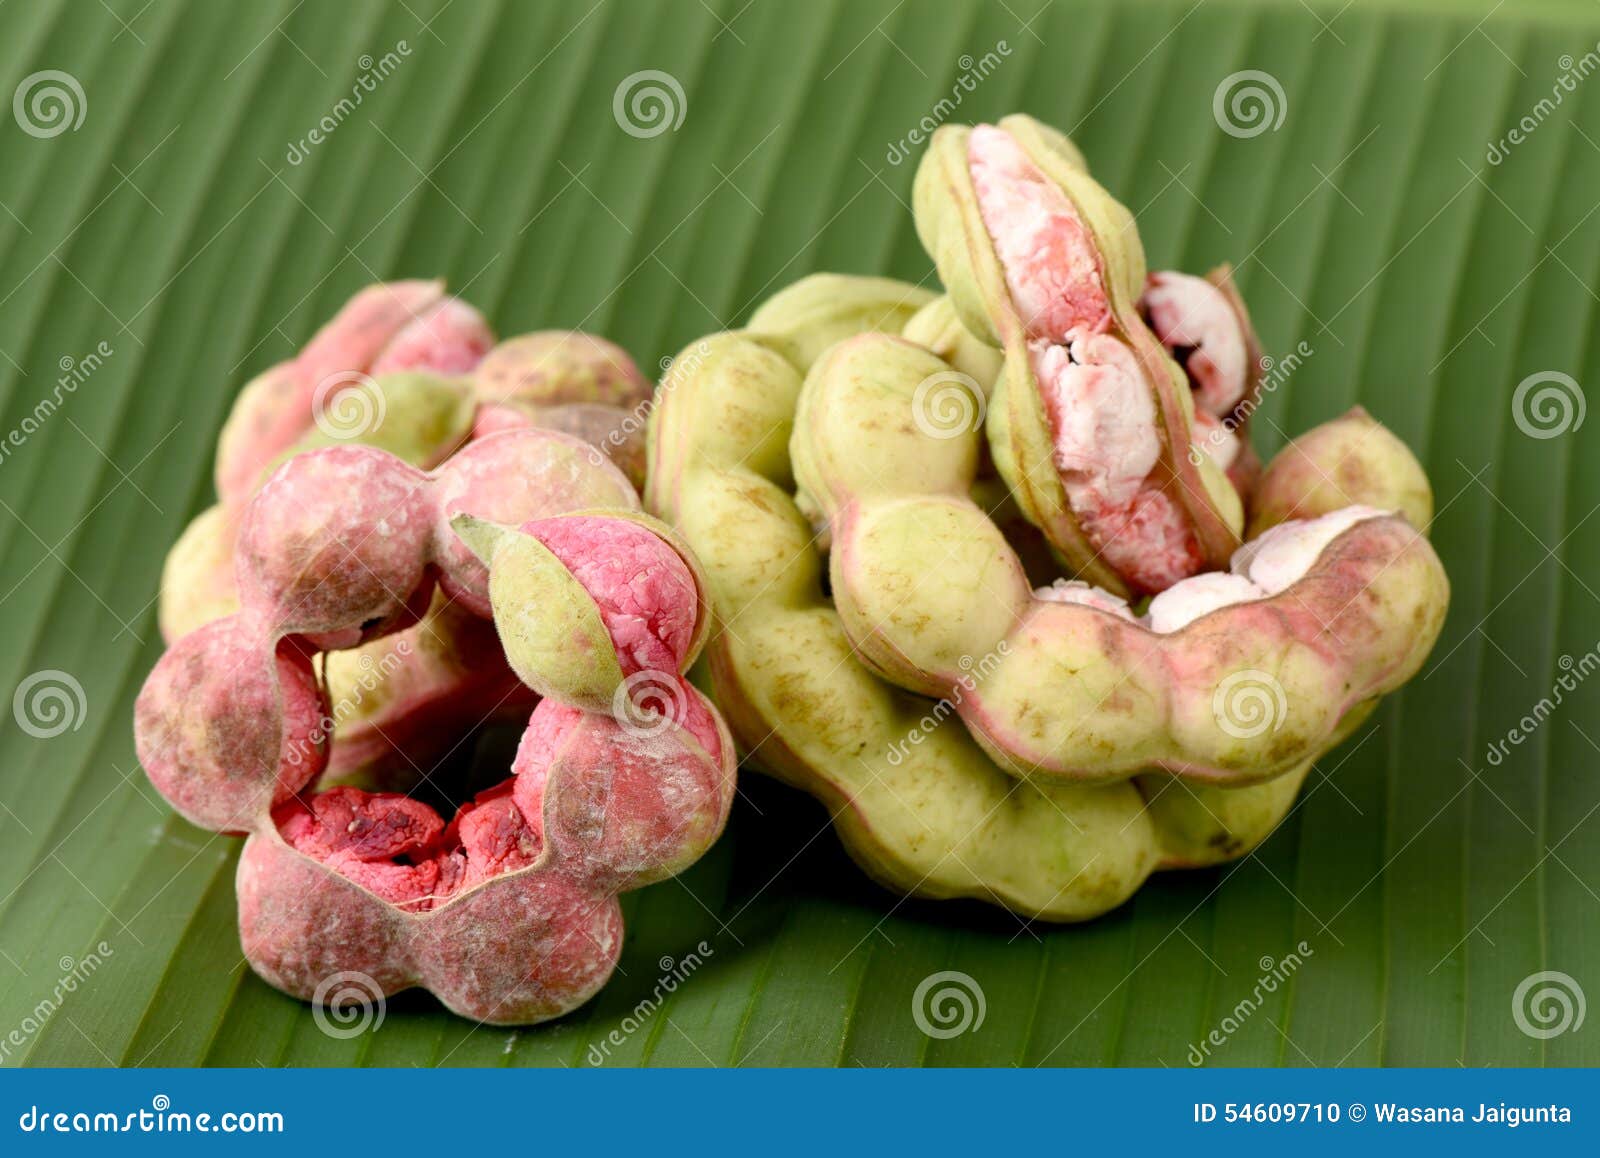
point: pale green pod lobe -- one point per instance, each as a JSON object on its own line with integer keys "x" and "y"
{"x": 937, "y": 327}
{"x": 817, "y": 311}
{"x": 1350, "y": 461}
{"x": 549, "y": 625}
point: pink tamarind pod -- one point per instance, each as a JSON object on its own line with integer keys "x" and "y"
{"x": 399, "y": 368}
{"x": 508, "y": 911}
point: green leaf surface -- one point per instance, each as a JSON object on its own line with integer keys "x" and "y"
{"x": 157, "y": 255}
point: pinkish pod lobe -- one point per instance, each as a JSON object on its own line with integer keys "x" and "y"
{"x": 226, "y": 726}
